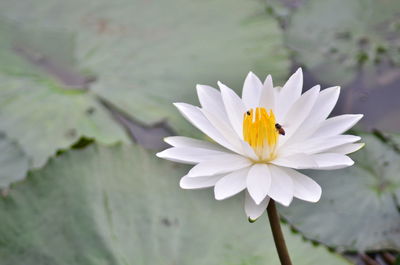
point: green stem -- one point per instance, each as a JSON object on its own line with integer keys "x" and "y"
{"x": 277, "y": 233}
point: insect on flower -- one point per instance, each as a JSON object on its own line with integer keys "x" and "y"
{"x": 280, "y": 129}
{"x": 252, "y": 153}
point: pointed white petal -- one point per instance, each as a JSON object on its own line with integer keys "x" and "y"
{"x": 304, "y": 187}
{"x": 298, "y": 113}
{"x": 182, "y": 141}
{"x": 224, "y": 127}
{"x": 231, "y": 184}
{"x": 235, "y": 108}
{"x": 318, "y": 145}
{"x": 258, "y": 182}
{"x": 219, "y": 165}
{"x": 326, "y": 101}
{"x": 197, "y": 118}
{"x": 323, "y": 106}
{"x": 346, "y": 148}
{"x": 268, "y": 94}
{"x": 188, "y": 155}
{"x": 199, "y": 183}
{"x": 281, "y": 189}
{"x": 253, "y": 210}
{"x": 337, "y": 125}
{"x": 330, "y": 161}
{"x": 251, "y": 91}
{"x": 289, "y": 93}
{"x": 248, "y": 151}
{"x": 210, "y": 99}
{"x": 297, "y": 161}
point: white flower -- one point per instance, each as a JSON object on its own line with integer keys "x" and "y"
{"x": 261, "y": 139}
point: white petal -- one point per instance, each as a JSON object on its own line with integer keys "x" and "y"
{"x": 251, "y": 91}
{"x": 346, "y": 148}
{"x": 323, "y": 106}
{"x": 188, "y": 155}
{"x": 289, "y": 93}
{"x": 199, "y": 183}
{"x": 231, "y": 184}
{"x": 281, "y": 189}
{"x": 224, "y": 127}
{"x": 258, "y": 182}
{"x": 197, "y": 118}
{"x": 211, "y": 99}
{"x": 268, "y": 94}
{"x": 325, "y": 103}
{"x": 298, "y": 113}
{"x": 248, "y": 151}
{"x": 254, "y": 211}
{"x": 330, "y": 161}
{"x": 235, "y": 108}
{"x": 182, "y": 141}
{"x": 297, "y": 161}
{"x": 218, "y": 165}
{"x": 337, "y": 125}
{"x": 304, "y": 187}
{"x": 318, "y": 145}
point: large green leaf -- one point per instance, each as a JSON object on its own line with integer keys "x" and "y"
{"x": 358, "y": 208}
{"x": 37, "y": 108}
{"x": 334, "y": 37}
{"x": 148, "y": 54}
{"x": 13, "y": 162}
{"x": 122, "y": 205}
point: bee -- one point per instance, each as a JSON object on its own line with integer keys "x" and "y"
{"x": 248, "y": 112}
{"x": 280, "y": 129}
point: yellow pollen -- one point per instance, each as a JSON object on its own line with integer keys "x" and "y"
{"x": 259, "y": 129}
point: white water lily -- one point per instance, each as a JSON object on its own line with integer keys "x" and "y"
{"x": 261, "y": 139}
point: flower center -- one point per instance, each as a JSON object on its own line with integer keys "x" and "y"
{"x": 260, "y": 131}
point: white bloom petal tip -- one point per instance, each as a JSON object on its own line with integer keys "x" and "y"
{"x": 252, "y": 76}
{"x": 298, "y": 74}
{"x": 178, "y": 105}
{"x": 299, "y": 70}
{"x": 167, "y": 140}
{"x": 182, "y": 183}
{"x": 198, "y": 183}
{"x": 286, "y": 203}
{"x": 251, "y": 220}
{"x": 219, "y": 197}
{"x": 253, "y": 210}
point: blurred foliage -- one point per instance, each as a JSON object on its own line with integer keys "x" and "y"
{"x": 85, "y": 207}
{"x": 335, "y": 38}
{"x": 39, "y": 106}
{"x": 358, "y": 210}
{"x": 13, "y": 162}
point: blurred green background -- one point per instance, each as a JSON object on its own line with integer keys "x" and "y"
{"x": 86, "y": 93}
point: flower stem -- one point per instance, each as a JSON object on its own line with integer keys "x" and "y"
{"x": 277, "y": 233}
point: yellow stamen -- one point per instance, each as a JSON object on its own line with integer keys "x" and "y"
{"x": 259, "y": 129}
